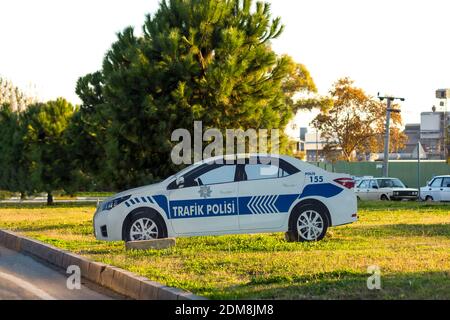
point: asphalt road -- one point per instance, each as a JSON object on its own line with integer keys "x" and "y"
{"x": 23, "y": 277}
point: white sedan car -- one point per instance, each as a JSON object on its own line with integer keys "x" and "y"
{"x": 384, "y": 189}
{"x": 247, "y": 194}
{"x": 438, "y": 189}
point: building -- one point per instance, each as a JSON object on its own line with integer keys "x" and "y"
{"x": 412, "y": 131}
{"x": 432, "y": 132}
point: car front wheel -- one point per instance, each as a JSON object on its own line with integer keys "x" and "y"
{"x": 145, "y": 225}
{"x": 310, "y": 223}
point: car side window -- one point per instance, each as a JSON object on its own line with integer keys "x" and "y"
{"x": 261, "y": 171}
{"x": 436, "y": 183}
{"x": 385, "y": 183}
{"x": 373, "y": 184}
{"x": 222, "y": 174}
{"x": 363, "y": 184}
{"x": 446, "y": 183}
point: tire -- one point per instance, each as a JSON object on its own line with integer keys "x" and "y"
{"x": 145, "y": 225}
{"x": 428, "y": 198}
{"x": 384, "y": 197}
{"x": 300, "y": 231}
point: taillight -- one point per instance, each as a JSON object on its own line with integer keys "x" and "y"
{"x": 349, "y": 183}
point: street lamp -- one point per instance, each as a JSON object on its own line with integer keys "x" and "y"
{"x": 389, "y": 100}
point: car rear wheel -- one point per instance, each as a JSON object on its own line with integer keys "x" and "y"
{"x": 145, "y": 225}
{"x": 309, "y": 223}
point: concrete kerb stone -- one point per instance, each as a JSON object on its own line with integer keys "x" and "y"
{"x": 149, "y": 290}
{"x": 95, "y": 270}
{"x": 11, "y": 241}
{"x": 168, "y": 293}
{"x": 119, "y": 280}
{"x": 106, "y": 277}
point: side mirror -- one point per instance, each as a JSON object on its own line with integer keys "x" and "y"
{"x": 374, "y": 187}
{"x": 180, "y": 181}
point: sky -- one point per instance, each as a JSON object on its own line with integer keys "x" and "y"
{"x": 398, "y": 47}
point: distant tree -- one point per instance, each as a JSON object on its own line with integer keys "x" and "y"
{"x": 207, "y": 60}
{"x": 45, "y": 146}
{"x": 13, "y": 166}
{"x": 13, "y": 96}
{"x": 354, "y": 122}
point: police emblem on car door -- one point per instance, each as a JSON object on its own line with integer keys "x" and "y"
{"x": 206, "y": 201}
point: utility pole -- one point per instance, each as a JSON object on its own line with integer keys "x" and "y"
{"x": 389, "y": 100}
{"x": 317, "y": 147}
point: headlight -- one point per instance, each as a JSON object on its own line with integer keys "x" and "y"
{"x": 115, "y": 202}
{"x": 395, "y": 193}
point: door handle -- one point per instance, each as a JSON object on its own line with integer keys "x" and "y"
{"x": 429, "y": 189}
{"x": 226, "y": 192}
{"x": 288, "y": 185}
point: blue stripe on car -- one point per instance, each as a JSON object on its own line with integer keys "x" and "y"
{"x": 326, "y": 190}
{"x": 261, "y": 204}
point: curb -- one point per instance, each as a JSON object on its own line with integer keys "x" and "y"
{"x": 116, "y": 279}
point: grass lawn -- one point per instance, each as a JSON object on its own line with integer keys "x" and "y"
{"x": 410, "y": 242}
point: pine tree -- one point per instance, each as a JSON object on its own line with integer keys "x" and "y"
{"x": 208, "y": 60}
{"x": 45, "y": 146}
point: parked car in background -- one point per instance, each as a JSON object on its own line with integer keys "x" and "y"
{"x": 438, "y": 189}
{"x": 384, "y": 189}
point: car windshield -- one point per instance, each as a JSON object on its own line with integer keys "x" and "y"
{"x": 390, "y": 183}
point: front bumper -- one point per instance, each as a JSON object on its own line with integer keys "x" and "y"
{"x": 404, "y": 197}
{"x": 100, "y": 225}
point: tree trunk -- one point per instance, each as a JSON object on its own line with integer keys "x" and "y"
{"x": 49, "y": 199}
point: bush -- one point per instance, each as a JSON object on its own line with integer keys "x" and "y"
{"x": 5, "y": 194}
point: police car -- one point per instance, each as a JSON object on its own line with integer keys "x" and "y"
{"x": 222, "y": 195}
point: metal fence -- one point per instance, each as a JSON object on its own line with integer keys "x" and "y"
{"x": 407, "y": 171}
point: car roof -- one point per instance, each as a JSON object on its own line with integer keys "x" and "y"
{"x": 244, "y": 156}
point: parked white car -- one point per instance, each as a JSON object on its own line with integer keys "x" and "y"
{"x": 438, "y": 189}
{"x": 384, "y": 189}
{"x": 217, "y": 196}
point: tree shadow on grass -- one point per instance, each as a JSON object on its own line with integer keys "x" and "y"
{"x": 343, "y": 285}
{"x": 79, "y": 228}
{"x": 407, "y": 230}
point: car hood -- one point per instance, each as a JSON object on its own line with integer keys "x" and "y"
{"x": 404, "y": 189}
{"x": 149, "y": 189}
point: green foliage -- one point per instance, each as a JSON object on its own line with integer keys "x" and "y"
{"x": 197, "y": 60}
{"x": 13, "y": 96}
{"x": 45, "y": 147}
{"x": 13, "y": 166}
